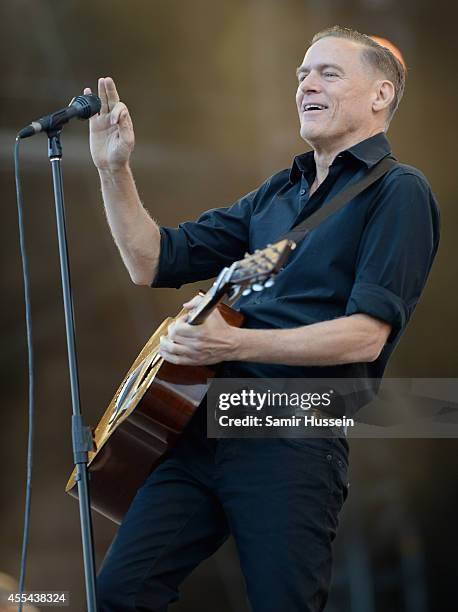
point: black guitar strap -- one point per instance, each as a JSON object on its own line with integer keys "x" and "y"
{"x": 299, "y": 232}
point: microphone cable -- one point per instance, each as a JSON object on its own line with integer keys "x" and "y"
{"x": 31, "y": 404}
{"x": 82, "y": 107}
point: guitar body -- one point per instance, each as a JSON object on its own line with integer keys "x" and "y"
{"x": 156, "y": 399}
{"x": 144, "y": 419}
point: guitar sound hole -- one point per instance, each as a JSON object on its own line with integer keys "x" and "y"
{"x": 135, "y": 378}
{"x": 128, "y": 386}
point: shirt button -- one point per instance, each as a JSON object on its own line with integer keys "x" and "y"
{"x": 302, "y": 192}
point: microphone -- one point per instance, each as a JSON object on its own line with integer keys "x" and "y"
{"x": 81, "y": 107}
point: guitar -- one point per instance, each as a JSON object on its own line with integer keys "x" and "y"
{"x": 156, "y": 399}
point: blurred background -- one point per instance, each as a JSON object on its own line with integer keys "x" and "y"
{"x": 210, "y": 86}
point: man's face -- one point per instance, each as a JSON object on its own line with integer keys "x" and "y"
{"x": 334, "y": 77}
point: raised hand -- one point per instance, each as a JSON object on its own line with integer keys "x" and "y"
{"x": 111, "y": 131}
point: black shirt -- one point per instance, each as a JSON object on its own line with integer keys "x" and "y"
{"x": 373, "y": 256}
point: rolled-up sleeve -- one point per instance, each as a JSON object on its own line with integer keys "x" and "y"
{"x": 397, "y": 249}
{"x": 198, "y": 250}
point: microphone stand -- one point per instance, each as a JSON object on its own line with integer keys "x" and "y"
{"x": 81, "y": 434}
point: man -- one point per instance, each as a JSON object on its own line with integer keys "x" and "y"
{"x": 337, "y": 309}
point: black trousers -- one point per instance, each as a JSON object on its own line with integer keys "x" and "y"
{"x": 279, "y": 498}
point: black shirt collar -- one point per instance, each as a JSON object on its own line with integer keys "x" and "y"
{"x": 369, "y": 152}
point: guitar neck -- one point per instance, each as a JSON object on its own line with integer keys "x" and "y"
{"x": 253, "y": 271}
{"x": 203, "y": 310}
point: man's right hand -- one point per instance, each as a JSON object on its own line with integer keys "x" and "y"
{"x": 111, "y": 131}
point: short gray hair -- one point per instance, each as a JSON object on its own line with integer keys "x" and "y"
{"x": 377, "y": 56}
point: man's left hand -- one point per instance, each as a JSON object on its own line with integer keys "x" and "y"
{"x": 211, "y": 342}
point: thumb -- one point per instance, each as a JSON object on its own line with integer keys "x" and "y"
{"x": 190, "y": 304}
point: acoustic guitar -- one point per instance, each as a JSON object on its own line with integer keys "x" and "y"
{"x": 156, "y": 399}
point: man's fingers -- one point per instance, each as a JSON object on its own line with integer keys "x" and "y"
{"x": 103, "y": 97}
{"x": 119, "y": 108}
{"x": 111, "y": 92}
{"x": 120, "y": 116}
{"x": 180, "y": 329}
{"x": 108, "y": 96}
{"x": 126, "y": 128}
{"x": 87, "y": 90}
{"x": 126, "y": 120}
{"x": 167, "y": 346}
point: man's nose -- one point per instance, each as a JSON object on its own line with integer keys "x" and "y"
{"x": 310, "y": 83}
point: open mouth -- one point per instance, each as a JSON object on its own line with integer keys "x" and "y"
{"x": 312, "y": 108}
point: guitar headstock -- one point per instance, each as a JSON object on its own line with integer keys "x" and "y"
{"x": 252, "y": 273}
{"x": 260, "y": 267}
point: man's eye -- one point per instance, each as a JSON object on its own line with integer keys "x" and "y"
{"x": 330, "y": 74}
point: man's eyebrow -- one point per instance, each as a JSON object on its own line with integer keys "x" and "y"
{"x": 320, "y": 67}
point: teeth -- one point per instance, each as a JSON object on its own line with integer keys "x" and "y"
{"x": 314, "y": 107}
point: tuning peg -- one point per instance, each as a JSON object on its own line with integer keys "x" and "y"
{"x": 246, "y": 291}
{"x": 257, "y": 287}
{"x": 269, "y": 282}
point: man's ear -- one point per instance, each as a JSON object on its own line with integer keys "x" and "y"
{"x": 384, "y": 95}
